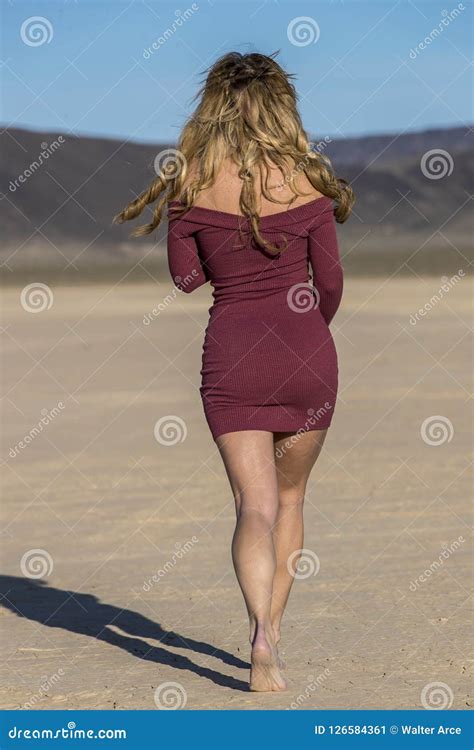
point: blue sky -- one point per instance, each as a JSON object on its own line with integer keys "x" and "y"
{"x": 354, "y": 72}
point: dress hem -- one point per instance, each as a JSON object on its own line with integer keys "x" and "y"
{"x": 221, "y": 426}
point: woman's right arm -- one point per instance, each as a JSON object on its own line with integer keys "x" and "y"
{"x": 184, "y": 263}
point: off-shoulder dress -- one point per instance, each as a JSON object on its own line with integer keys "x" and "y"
{"x": 269, "y": 360}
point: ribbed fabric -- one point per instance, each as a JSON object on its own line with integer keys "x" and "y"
{"x": 269, "y": 361}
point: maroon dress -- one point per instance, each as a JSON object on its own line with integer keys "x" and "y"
{"x": 269, "y": 361}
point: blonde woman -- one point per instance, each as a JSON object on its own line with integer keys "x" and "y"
{"x": 251, "y": 209}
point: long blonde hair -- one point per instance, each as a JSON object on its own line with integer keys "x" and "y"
{"x": 247, "y": 112}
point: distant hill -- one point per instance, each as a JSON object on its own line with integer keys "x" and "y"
{"x": 387, "y": 148}
{"x": 58, "y": 213}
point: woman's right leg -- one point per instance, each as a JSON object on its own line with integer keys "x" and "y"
{"x": 249, "y": 461}
{"x": 295, "y": 456}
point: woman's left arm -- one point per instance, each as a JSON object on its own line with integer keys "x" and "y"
{"x": 326, "y": 266}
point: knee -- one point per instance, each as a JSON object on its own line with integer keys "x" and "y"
{"x": 260, "y": 513}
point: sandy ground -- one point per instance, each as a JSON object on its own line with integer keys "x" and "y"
{"x": 109, "y": 507}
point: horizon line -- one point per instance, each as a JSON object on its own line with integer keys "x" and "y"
{"x": 101, "y": 136}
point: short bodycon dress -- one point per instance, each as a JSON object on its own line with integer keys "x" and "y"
{"x": 269, "y": 361}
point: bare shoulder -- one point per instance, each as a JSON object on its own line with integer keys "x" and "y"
{"x": 224, "y": 194}
{"x": 304, "y": 186}
{"x": 192, "y": 172}
{"x": 282, "y": 194}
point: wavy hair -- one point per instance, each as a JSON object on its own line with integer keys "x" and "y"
{"x": 247, "y": 111}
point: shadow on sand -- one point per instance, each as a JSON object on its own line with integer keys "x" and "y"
{"x": 86, "y": 615}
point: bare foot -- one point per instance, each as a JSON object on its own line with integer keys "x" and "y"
{"x": 265, "y": 675}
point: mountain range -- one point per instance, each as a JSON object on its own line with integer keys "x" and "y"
{"x": 59, "y": 193}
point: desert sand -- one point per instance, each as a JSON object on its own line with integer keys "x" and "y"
{"x": 379, "y": 615}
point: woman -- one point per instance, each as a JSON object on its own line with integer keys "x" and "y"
{"x": 250, "y": 204}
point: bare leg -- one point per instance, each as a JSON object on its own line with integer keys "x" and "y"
{"x": 295, "y": 456}
{"x": 249, "y": 461}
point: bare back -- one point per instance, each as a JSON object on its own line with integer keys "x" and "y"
{"x": 224, "y": 194}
